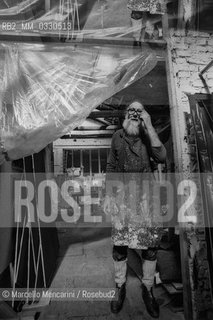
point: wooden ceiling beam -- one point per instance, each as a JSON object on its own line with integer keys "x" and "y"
{"x": 159, "y": 46}
{"x": 120, "y": 114}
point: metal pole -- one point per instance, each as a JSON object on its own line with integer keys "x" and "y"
{"x": 209, "y": 65}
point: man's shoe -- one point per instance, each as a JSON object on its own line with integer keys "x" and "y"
{"x": 116, "y": 305}
{"x": 150, "y": 302}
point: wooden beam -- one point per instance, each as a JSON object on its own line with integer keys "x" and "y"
{"x": 120, "y": 113}
{"x": 88, "y": 133}
{"x": 38, "y": 37}
{"x": 177, "y": 114}
{"x": 187, "y": 10}
{"x": 82, "y": 143}
{"x": 47, "y": 5}
{"x": 106, "y": 114}
{"x": 48, "y": 160}
{"x": 99, "y": 161}
{"x": 165, "y": 25}
{"x": 181, "y": 22}
{"x": 90, "y": 163}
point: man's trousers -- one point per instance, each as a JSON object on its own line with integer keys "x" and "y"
{"x": 148, "y": 266}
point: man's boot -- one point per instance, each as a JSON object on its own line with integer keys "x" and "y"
{"x": 149, "y": 268}
{"x": 116, "y": 305}
{"x": 120, "y": 280}
{"x": 151, "y": 304}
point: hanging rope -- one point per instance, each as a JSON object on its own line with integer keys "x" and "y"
{"x": 18, "y": 254}
{"x": 30, "y": 242}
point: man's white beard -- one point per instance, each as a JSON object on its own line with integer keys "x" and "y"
{"x": 131, "y": 127}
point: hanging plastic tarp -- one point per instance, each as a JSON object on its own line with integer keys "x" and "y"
{"x": 49, "y": 90}
{"x": 16, "y": 8}
{"x": 67, "y": 19}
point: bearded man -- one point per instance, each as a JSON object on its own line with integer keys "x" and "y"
{"x": 129, "y": 160}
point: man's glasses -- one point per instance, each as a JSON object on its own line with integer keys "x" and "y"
{"x": 132, "y": 111}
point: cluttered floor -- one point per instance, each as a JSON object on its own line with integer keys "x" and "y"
{"x": 85, "y": 262}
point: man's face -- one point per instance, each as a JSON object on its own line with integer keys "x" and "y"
{"x": 134, "y": 112}
{"x": 132, "y": 120}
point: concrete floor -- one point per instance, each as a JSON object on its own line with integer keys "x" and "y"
{"x": 88, "y": 264}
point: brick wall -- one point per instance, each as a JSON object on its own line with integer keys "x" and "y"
{"x": 189, "y": 55}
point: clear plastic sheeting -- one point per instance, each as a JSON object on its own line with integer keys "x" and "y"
{"x": 67, "y": 19}
{"x": 81, "y": 19}
{"x": 49, "y": 90}
{"x": 12, "y": 8}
